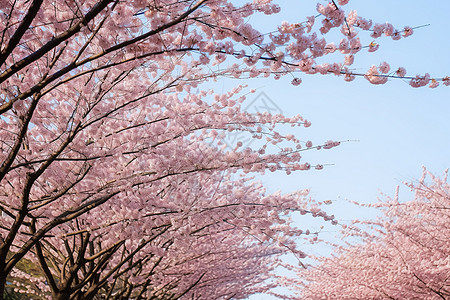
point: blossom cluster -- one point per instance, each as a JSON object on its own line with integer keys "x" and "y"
{"x": 402, "y": 255}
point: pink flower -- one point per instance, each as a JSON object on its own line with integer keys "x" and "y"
{"x": 352, "y": 17}
{"x": 322, "y": 68}
{"x": 309, "y": 144}
{"x": 348, "y": 60}
{"x": 378, "y": 29}
{"x": 374, "y": 77}
{"x": 384, "y": 67}
{"x": 355, "y": 45}
{"x": 349, "y": 77}
{"x": 407, "y": 31}
{"x": 401, "y": 72}
{"x": 296, "y": 81}
{"x": 419, "y": 81}
{"x": 373, "y": 47}
{"x": 344, "y": 46}
{"x": 388, "y": 29}
{"x": 335, "y": 68}
{"x": 396, "y": 36}
{"x": 330, "y": 144}
{"x": 330, "y": 48}
{"x": 434, "y": 83}
{"x": 306, "y": 166}
{"x": 363, "y": 23}
{"x": 310, "y": 23}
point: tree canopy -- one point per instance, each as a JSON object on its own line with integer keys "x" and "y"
{"x": 402, "y": 255}
{"x": 114, "y": 181}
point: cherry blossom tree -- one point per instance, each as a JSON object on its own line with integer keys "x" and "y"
{"x": 113, "y": 177}
{"x": 402, "y": 255}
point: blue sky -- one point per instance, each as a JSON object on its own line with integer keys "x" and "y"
{"x": 399, "y": 128}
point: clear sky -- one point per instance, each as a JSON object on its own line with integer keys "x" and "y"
{"x": 399, "y": 128}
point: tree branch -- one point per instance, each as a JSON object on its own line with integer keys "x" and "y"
{"x": 31, "y": 14}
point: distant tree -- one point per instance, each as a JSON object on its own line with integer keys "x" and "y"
{"x": 114, "y": 181}
{"x": 406, "y": 254}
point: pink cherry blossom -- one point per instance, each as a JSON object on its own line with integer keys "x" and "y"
{"x": 408, "y": 248}
{"x": 348, "y": 60}
{"x": 373, "y": 47}
{"x": 331, "y": 144}
{"x": 401, "y": 72}
{"x": 296, "y": 81}
{"x": 384, "y": 67}
{"x": 446, "y": 81}
{"x": 407, "y": 31}
{"x": 374, "y": 77}
{"x": 433, "y": 84}
{"x": 420, "y": 81}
